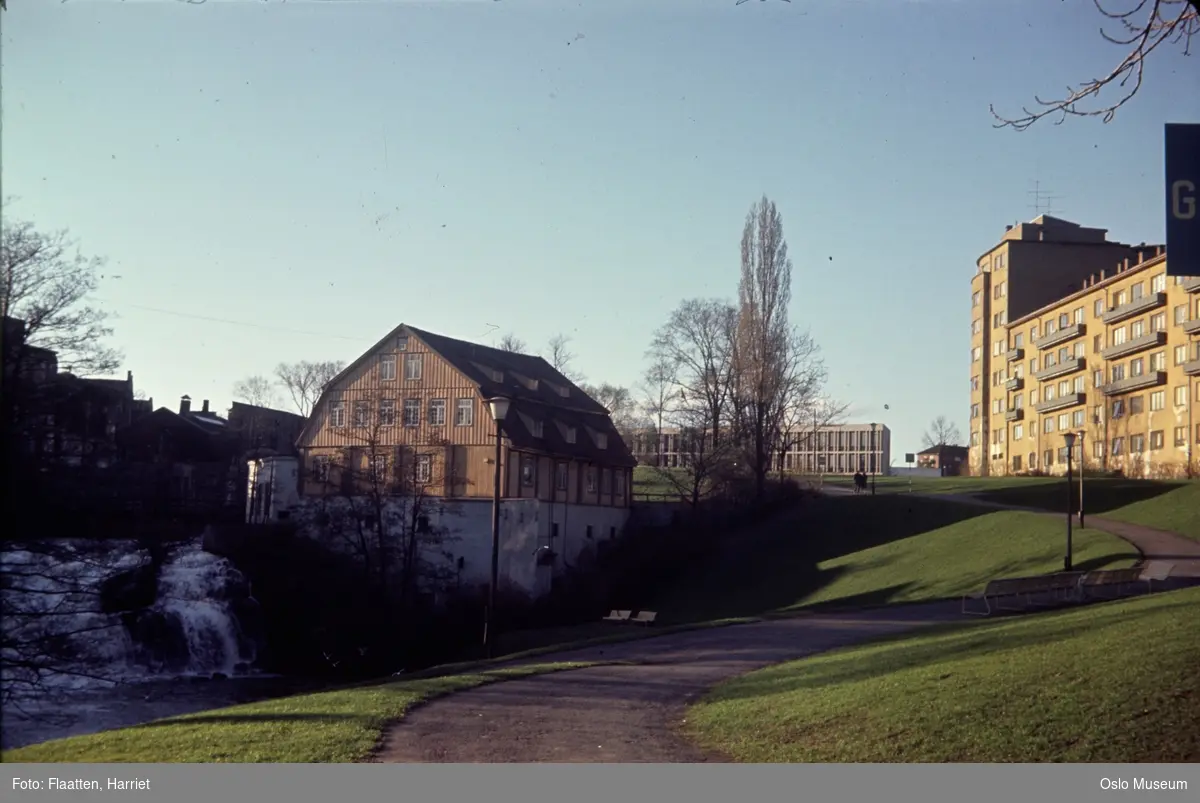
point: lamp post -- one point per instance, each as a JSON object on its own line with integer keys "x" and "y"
{"x": 1082, "y": 467}
{"x": 873, "y": 465}
{"x": 499, "y": 409}
{"x": 1069, "y": 437}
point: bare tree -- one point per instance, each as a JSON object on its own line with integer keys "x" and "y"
{"x": 803, "y": 420}
{"x": 305, "y": 381}
{"x": 510, "y": 342}
{"x": 561, "y": 358}
{"x": 256, "y": 390}
{"x": 658, "y": 383}
{"x": 1143, "y": 27}
{"x": 775, "y": 367}
{"x": 387, "y": 494}
{"x": 702, "y": 460}
{"x": 695, "y": 346}
{"x": 46, "y": 282}
{"x": 941, "y": 432}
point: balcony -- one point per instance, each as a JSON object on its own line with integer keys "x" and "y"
{"x": 1192, "y": 284}
{"x": 1135, "y": 345}
{"x": 1131, "y": 383}
{"x": 1014, "y": 384}
{"x": 1192, "y": 327}
{"x": 1015, "y": 355}
{"x": 1135, "y": 307}
{"x": 1061, "y": 369}
{"x": 1062, "y": 402}
{"x": 1061, "y": 336}
{"x": 1192, "y": 368}
{"x": 1015, "y": 414}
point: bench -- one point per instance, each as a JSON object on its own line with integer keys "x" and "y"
{"x": 1156, "y": 571}
{"x": 617, "y": 616}
{"x": 1094, "y": 582}
{"x": 644, "y": 618}
{"x": 1060, "y": 587}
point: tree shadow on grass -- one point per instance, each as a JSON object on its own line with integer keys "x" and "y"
{"x": 940, "y": 644}
{"x": 1099, "y": 495}
{"x": 250, "y": 719}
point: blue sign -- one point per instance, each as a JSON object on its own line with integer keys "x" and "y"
{"x": 1183, "y": 199}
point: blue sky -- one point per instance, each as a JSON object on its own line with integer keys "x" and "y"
{"x": 318, "y": 172}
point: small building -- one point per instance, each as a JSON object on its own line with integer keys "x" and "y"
{"x": 948, "y": 460}
{"x": 273, "y": 488}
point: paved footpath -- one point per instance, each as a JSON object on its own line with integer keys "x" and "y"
{"x": 626, "y": 713}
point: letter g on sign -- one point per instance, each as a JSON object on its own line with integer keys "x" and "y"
{"x": 1183, "y": 200}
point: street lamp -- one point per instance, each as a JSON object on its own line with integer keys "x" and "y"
{"x": 1082, "y": 467}
{"x": 1069, "y": 437}
{"x": 873, "y": 447}
{"x": 498, "y": 407}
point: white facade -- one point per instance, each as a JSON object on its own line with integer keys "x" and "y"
{"x": 272, "y": 488}
{"x": 527, "y": 527}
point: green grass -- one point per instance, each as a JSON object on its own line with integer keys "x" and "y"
{"x": 856, "y": 552}
{"x": 654, "y": 484}
{"x": 945, "y": 485}
{"x": 1107, "y": 683}
{"x": 1177, "y": 510}
{"x": 327, "y": 727}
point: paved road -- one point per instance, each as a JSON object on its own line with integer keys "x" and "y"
{"x": 625, "y": 713}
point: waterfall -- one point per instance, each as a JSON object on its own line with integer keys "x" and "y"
{"x": 81, "y": 614}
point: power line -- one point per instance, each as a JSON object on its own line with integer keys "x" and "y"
{"x": 247, "y": 324}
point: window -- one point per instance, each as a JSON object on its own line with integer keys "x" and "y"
{"x": 377, "y": 468}
{"x": 1080, "y": 349}
{"x": 528, "y": 470}
{"x": 1118, "y": 336}
{"x": 464, "y": 412}
{"x": 1098, "y": 450}
{"x": 590, "y": 479}
{"x": 975, "y": 299}
{"x": 387, "y": 367}
{"x": 1018, "y": 432}
{"x": 402, "y": 343}
{"x": 1064, "y": 387}
{"x": 1078, "y": 315}
{"x": 387, "y": 412}
{"x": 975, "y": 410}
{"x": 1118, "y": 372}
{"x": 996, "y": 408}
{"x": 1097, "y": 378}
{"x": 1118, "y": 408}
{"x": 1048, "y": 393}
{"x": 999, "y": 291}
{"x": 1137, "y": 367}
{"x": 412, "y": 412}
{"x": 1064, "y": 354}
{"x": 536, "y": 428}
{"x": 1064, "y": 320}
{"x": 1158, "y": 322}
{"x": 976, "y": 326}
{"x": 1033, "y": 366}
{"x": 619, "y": 482}
{"x": 1098, "y": 307}
{"x": 362, "y": 414}
{"x": 1181, "y": 396}
{"x": 437, "y": 413}
{"x": 1137, "y": 329}
{"x": 562, "y": 475}
{"x": 412, "y": 366}
{"x": 1181, "y": 436}
{"x": 1137, "y": 405}
{"x": 1049, "y": 328}
{"x": 1062, "y": 454}
{"x": 1077, "y": 418}
{"x": 1158, "y": 400}
{"x": 1180, "y": 313}
{"x": 1048, "y": 424}
{"x": 1033, "y": 333}
{"x": 975, "y": 438}
{"x": 975, "y": 383}
{"x": 1018, "y": 340}
{"x": 1097, "y": 413}
{"x": 337, "y": 414}
{"x": 997, "y": 348}
{"x": 1048, "y": 458}
{"x": 1137, "y": 444}
{"x": 1158, "y": 361}
{"x": 1064, "y": 422}
{"x": 1159, "y": 283}
{"x": 424, "y": 468}
{"x": 1118, "y": 447}
{"x": 1138, "y": 290}
{"x": 976, "y": 353}
{"x": 999, "y": 319}
{"x": 1120, "y": 298}
{"x": 320, "y": 468}
{"x": 1180, "y": 355}
{"x": 601, "y": 440}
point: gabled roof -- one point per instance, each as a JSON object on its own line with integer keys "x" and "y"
{"x": 536, "y": 388}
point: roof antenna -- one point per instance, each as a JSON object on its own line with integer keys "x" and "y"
{"x": 491, "y": 327}
{"x": 1042, "y": 200}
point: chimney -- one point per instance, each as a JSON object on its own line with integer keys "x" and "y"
{"x": 204, "y": 406}
{"x": 1102, "y": 275}
{"x": 185, "y": 405}
{"x": 1008, "y": 228}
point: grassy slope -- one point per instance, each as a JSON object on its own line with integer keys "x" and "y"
{"x": 1178, "y": 511}
{"x": 875, "y": 551}
{"x": 1107, "y": 683}
{"x": 327, "y": 727}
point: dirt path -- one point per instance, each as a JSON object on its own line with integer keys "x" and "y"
{"x": 624, "y": 713}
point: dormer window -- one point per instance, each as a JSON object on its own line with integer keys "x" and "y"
{"x": 569, "y": 434}
{"x": 402, "y": 343}
{"x": 601, "y": 440}
{"x": 533, "y": 425}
